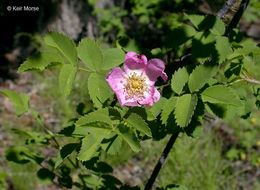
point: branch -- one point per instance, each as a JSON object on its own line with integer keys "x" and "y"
{"x": 237, "y": 16}
{"x": 161, "y": 161}
{"x": 250, "y": 80}
{"x": 223, "y": 11}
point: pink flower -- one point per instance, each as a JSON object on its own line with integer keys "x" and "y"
{"x": 135, "y": 86}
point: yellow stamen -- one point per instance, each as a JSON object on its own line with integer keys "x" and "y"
{"x": 135, "y": 86}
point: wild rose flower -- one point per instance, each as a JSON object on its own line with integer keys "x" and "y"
{"x": 135, "y": 86}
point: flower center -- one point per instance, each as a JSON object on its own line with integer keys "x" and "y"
{"x": 135, "y": 86}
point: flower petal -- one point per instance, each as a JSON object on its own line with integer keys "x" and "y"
{"x": 152, "y": 97}
{"x": 154, "y": 69}
{"x": 134, "y": 62}
{"x": 117, "y": 81}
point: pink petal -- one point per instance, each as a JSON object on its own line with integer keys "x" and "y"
{"x": 134, "y": 62}
{"x": 152, "y": 97}
{"x": 154, "y": 69}
{"x": 116, "y": 81}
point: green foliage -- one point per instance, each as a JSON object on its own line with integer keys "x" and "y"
{"x": 66, "y": 78}
{"x": 90, "y": 53}
{"x": 179, "y": 79}
{"x": 101, "y": 127}
{"x": 63, "y": 45}
{"x": 184, "y": 109}
{"x": 168, "y": 107}
{"x": 129, "y": 136}
{"x": 223, "y": 47}
{"x": 45, "y": 176}
{"x": 20, "y": 101}
{"x": 96, "y": 116}
{"x": 99, "y": 89}
{"x": 200, "y": 75}
{"x": 113, "y": 57}
{"x": 40, "y": 61}
{"x": 220, "y": 94}
{"x": 135, "y": 121}
{"x": 90, "y": 144}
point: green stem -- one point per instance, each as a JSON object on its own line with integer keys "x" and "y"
{"x": 82, "y": 69}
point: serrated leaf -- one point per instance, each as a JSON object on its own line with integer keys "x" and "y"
{"x": 113, "y": 57}
{"x": 155, "y": 110}
{"x": 219, "y": 27}
{"x": 65, "y": 151}
{"x": 184, "y": 109}
{"x": 135, "y": 121}
{"x": 90, "y": 145}
{"x": 66, "y": 78}
{"x": 195, "y": 19}
{"x": 40, "y": 61}
{"x": 20, "y": 101}
{"x": 99, "y": 89}
{"x": 112, "y": 145}
{"x": 63, "y": 44}
{"x": 101, "y": 115}
{"x": 168, "y": 108}
{"x": 203, "y": 46}
{"x": 179, "y": 79}
{"x": 178, "y": 36}
{"x": 200, "y": 75}
{"x": 90, "y": 53}
{"x": 220, "y": 94}
{"x": 129, "y": 136}
{"x": 223, "y": 48}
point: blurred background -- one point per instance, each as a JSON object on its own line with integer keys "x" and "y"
{"x": 225, "y": 155}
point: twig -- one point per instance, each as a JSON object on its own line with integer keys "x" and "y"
{"x": 237, "y": 16}
{"x": 225, "y": 8}
{"x": 250, "y": 80}
{"x": 161, "y": 161}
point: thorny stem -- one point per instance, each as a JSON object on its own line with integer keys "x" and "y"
{"x": 161, "y": 161}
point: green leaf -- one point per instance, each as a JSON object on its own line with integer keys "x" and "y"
{"x": 40, "y": 61}
{"x": 138, "y": 123}
{"x": 179, "y": 36}
{"x": 168, "y": 108}
{"x": 113, "y": 57}
{"x": 129, "y": 136}
{"x": 63, "y": 44}
{"x": 90, "y": 53}
{"x": 203, "y": 46}
{"x": 45, "y": 176}
{"x": 220, "y": 94}
{"x": 195, "y": 19}
{"x": 219, "y": 27}
{"x": 90, "y": 145}
{"x": 223, "y": 47}
{"x": 112, "y": 145}
{"x": 101, "y": 115}
{"x": 65, "y": 152}
{"x": 98, "y": 88}
{"x": 179, "y": 80}
{"x": 20, "y": 101}
{"x": 184, "y": 109}
{"x": 200, "y": 75}
{"x": 66, "y": 78}
{"x": 21, "y": 155}
{"x": 155, "y": 110}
